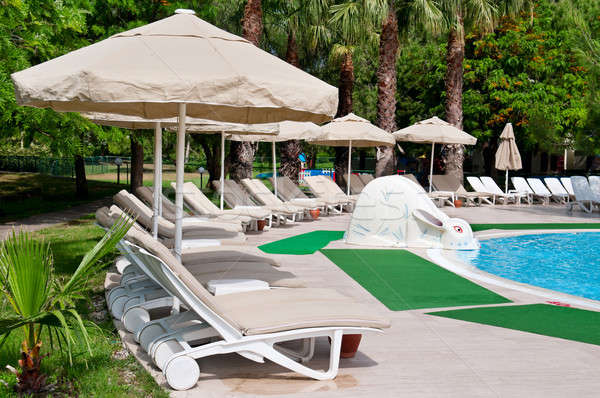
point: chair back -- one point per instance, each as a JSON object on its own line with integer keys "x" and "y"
{"x": 555, "y": 186}
{"x": 582, "y": 189}
{"x": 538, "y": 187}
{"x": 521, "y": 185}
{"x": 491, "y": 185}
{"x": 566, "y": 181}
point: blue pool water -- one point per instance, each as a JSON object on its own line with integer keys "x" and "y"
{"x": 565, "y": 262}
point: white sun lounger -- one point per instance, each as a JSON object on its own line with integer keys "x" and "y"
{"x": 513, "y": 195}
{"x": 566, "y": 181}
{"x": 540, "y": 189}
{"x": 265, "y": 197}
{"x": 557, "y": 188}
{"x": 585, "y": 198}
{"x": 521, "y": 185}
{"x": 203, "y": 233}
{"x": 289, "y": 192}
{"x": 146, "y": 194}
{"x": 594, "y": 182}
{"x": 449, "y": 183}
{"x": 198, "y": 203}
{"x": 322, "y": 190}
{"x": 440, "y": 197}
{"x": 250, "y": 323}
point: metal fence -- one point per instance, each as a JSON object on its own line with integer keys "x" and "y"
{"x": 59, "y": 166}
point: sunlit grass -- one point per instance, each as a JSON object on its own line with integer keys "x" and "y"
{"x": 100, "y": 375}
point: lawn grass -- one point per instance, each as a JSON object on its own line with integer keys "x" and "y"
{"x": 102, "y": 374}
{"x": 26, "y": 194}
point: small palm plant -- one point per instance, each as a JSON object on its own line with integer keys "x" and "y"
{"x": 41, "y": 303}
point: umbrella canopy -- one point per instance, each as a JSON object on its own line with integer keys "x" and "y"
{"x": 148, "y": 71}
{"x": 286, "y": 131}
{"x": 507, "y": 155}
{"x": 179, "y": 66}
{"x": 352, "y": 130}
{"x": 434, "y": 130}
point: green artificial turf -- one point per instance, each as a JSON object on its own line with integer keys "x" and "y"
{"x": 548, "y": 320}
{"x": 302, "y": 244}
{"x": 482, "y": 227}
{"x": 402, "y": 280}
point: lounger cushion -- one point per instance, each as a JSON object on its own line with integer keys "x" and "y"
{"x": 277, "y": 310}
{"x": 226, "y": 253}
{"x": 206, "y": 272}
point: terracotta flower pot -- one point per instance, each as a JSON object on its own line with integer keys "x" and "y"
{"x": 458, "y": 203}
{"x": 260, "y": 224}
{"x": 350, "y": 344}
{"x": 315, "y": 213}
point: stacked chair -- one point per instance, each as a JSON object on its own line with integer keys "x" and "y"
{"x": 327, "y": 190}
{"x": 265, "y": 197}
{"x": 183, "y": 310}
{"x": 289, "y": 192}
{"x": 448, "y": 183}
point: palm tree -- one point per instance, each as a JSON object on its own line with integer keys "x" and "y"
{"x": 41, "y": 304}
{"x": 480, "y": 15}
{"x": 347, "y": 24}
{"x": 242, "y": 153}
{"x": 283, "y": 20}
{"x": 424, "y": 13}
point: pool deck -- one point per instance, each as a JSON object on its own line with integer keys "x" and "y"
{"x": 420, "y": 355}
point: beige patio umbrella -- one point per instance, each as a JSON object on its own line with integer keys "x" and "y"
{"x": 286, "y": 131}
{"x": 352, "y": 130}
{"x": 176, "y": 67}
{"x": 507, "y": 155}
{"x": 434, "y": 131}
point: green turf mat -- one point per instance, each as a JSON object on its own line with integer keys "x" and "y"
{"x": 302, "y": 244}
{"x": 549, "y": 320}
{"x": 402, "y": 280}
{"x": 482, "y": 227}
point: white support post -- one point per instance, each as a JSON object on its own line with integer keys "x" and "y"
{"x": 349, "y": 166}
{"x": 222, "y": 180}
{"x": 274, "y": 169}
{"x": 179, "y": 163}
{"x": 157, "y": 194}
{"x": 506, "y": 183}
{"x": 565, "y": 160}
{"x": 431, "y": 167}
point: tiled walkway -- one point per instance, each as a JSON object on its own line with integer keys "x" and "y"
{"x": 421, "y": 355}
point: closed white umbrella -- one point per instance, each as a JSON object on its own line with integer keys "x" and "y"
{"x": 176, "y": 67}
{"x": 434, "y": 131}
{"x": 352, "y": 130}
{"x": 507, "y": 155}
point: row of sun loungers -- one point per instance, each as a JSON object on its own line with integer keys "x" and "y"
{"x": 221, "y": 299}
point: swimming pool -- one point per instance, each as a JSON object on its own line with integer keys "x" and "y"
{"x": 565, "y": 262}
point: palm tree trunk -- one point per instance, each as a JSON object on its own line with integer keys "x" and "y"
{"x": 81, "y": 186}
{"x": 242, "y": 153}
{"x": 212, "y": 152}
{"x": 386, "y": 90}
{"x": 346, "y": 86}
{"x": 454, "y": 153}
{"x": 137, "y": 162}
{"x": 290, "y": 150}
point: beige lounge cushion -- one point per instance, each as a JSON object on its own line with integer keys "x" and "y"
{"x": 226, "y": 253}
{"x": 195, "y": 199}
{"x": 277, "y": 310}
{"x": 205, "y": 272}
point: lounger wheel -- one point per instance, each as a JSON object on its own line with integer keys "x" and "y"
{"x": 134, "y": 318}
{"x": 122, "y": 264}
{"x": 113, "y": 294}
{"x": 182, "y": 373}
{"x": 118, "y": 305}
{"x": 148, "y": 334}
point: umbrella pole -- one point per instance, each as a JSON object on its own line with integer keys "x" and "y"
{"x": 274, "y": 169}
{"x": 565, "y": 161}
{"x": 431, "y": 167}
{"x": 222, "y": 179}
{"x": 157, "y": 194}
{"x": 349, "y": 165}
{"x": 506, "y": 183}
{"x": 179, "y": 163}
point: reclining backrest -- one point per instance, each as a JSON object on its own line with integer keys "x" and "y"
{"x": 566, "y": 181}
{"x": 477, "y": 185}
{"x": 356, "y": 184}
{"x": 228, "y": 196}
{"x": 594, "y": 182}
{"x": 146, "y": 194}
{"x": 491, "y": 185}
{"x": 287, "y": 189}
{"x": 261, "y": 192}
{"x": 521, "y": 185}
{"x": 242, "y": 197}
{"x": 538, "y": 186}
{"x": 196, "y": 200}
{"x": 412, "y": 178}
{"x": 555, "y": 186}
{"x": 316, "y": 185}
{"x": 366, "y": 178}
{"x": 582, "y": 188}
{"x": 443, "y": 182}
{"x": 158, "y": 273}
{"x": 129, "y": 202}
{"x": 332, "y": 187}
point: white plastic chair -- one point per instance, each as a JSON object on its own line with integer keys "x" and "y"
{"x": 585, "y": 198}
{"x": 514, "y": 196}
{"x": 541, "y": 191}
{"x": 557, "y": 188}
